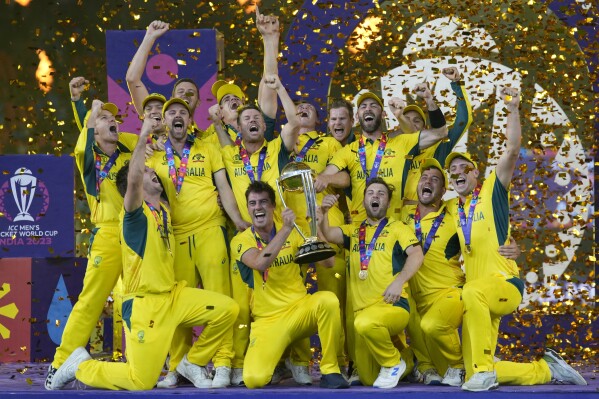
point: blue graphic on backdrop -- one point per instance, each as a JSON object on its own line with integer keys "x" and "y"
{"x": 59, "y": 311}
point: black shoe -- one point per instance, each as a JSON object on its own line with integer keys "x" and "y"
{"x": 333, "y": 381}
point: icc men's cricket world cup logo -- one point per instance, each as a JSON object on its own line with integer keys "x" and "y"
{"x": 30, "y": 198}
{"x": 23, "y": 185}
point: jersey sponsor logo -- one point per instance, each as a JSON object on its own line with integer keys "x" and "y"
{"x": 389, "y": 153}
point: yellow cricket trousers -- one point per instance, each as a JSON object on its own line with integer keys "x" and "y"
{"x": 270, "y": 336}
{"x": 150, "y": 322}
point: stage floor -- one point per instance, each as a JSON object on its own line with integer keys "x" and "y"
{"x": 26, "y": 380}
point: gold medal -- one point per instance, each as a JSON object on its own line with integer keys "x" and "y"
{"x": 363, "y": 274}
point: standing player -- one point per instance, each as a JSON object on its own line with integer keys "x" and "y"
{"x": 283, "y": 312}
{"x": 316, "y": 150}
{"x": 154, "y": 303}
{"x": 374, "y": 154}
{"x": 384, "y": 255}
{"x": 100, "y": 153}
{"x": 493, "y": 287}
{"x": 192, "y": 169}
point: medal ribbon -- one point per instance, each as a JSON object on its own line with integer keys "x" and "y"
{"x": 177, "y": 178}
{"x": 466, "y": 224}
{"x": 302, "y": 154}
{"x": 261, "y": 246}
{"x": 249, "y": 169}
{"x": 162, "y": 227}
{"x": 377, "y": 160}
{"x": 365, "y": 254}
{"x": 101, "y": 173}
{"x": 431, "y": 234}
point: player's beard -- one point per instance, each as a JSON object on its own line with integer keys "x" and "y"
{"x": 371, "y": 126}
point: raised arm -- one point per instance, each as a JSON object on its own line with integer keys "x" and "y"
{"x": 228, "y": 200}
{"x": 261, "y": 260}
{"x": 397, "y": 106}
{"x": 76, "y": 87}
{"x": 333, "y": 234}
{"x": 135, "y": 193}
{"x": 290, "y": 131}
{"x": 215, "y": 114}
{"x": 268, "y": 26}
{"x": 463, "y": 118}
{"x": 136, "y": 69}
{"x": 513, "y": 134}
{"x": 438, "y": 127}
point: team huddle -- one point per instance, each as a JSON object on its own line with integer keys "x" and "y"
{"x": 415, "y": 289}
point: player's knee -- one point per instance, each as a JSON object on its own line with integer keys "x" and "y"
{"x": 231, "y": 309}
{"x": 328, "y": 300}
{"x": 472, "y": 294}
{"x": 226, "y": 311}
{"x": 429, "y": 325}
{"x": 363, "y": 325}
{"x": 255, "y": 378}
{"x": 142, "y": 383}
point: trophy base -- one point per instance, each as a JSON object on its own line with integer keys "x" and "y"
{"x": 312, "y": 252}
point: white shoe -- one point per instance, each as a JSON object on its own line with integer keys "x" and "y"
{"x": 483, "y": 381}
{"x": 222, "y": 377}
{"x": 454, "y": 377}
{"x": 431, "y": 377}
{"x": 198, "y": 375}
{"x": 300, "y": 373}
{"x": 49, "y": 377}
{"x": 389, "y": 376}
{"x": 280, "y": 373}
{"x": 66, "y": 373}
{"x": 562, "y": 372}
{"x": 172, "y": 379}
{"x": 237, "y": 377}
{"x": 354, "y": 379}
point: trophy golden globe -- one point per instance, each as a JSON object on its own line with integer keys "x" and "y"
{"x": 297, "y": 177}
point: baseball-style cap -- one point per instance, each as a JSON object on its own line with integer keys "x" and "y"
{"x": 110, "y": 107}
{"x": 366, "y": 95}
{"x": 151, "y": 97}
{"x": 433, "y": 163}
{"x": 221, "y": 88}
{"x": 455, "y": 155}
{"x": 175, "y": 101}
{"x": 413, "y": 107}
